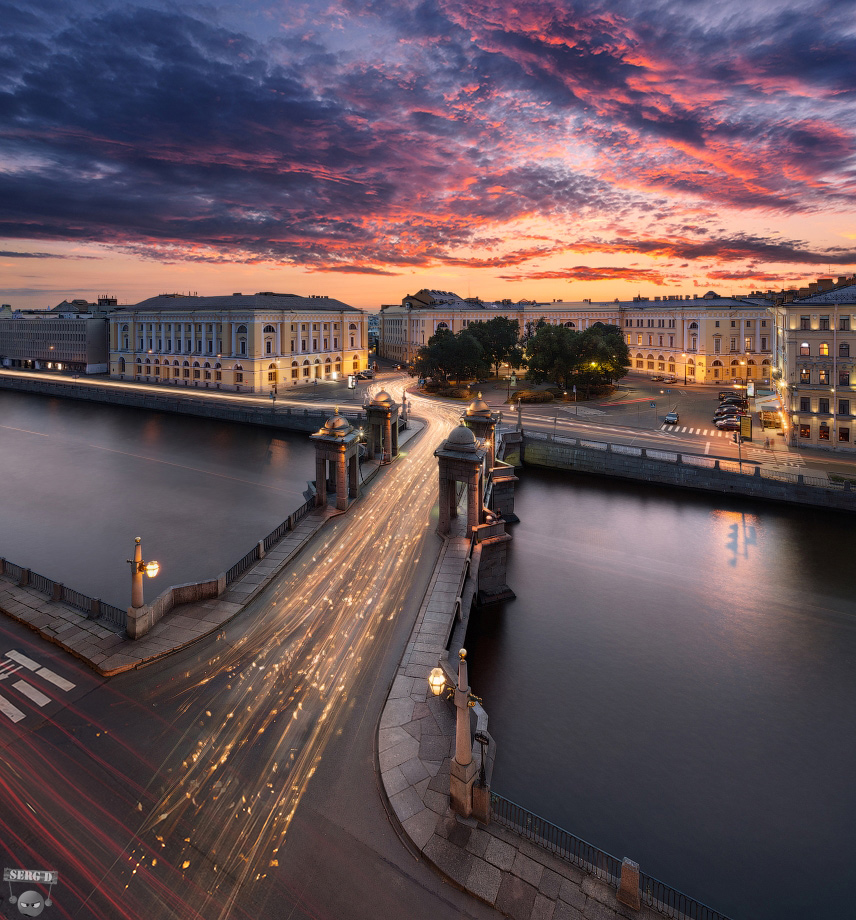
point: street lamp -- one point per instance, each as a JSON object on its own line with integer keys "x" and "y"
{"x": 684, "y": 356}
{"x": 138, "y": 568}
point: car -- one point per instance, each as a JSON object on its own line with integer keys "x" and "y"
{"x": 656, "y": 377}
{"x": 725, "y": 413}
{"x": 671, "y": 418}
{"x": 670, "y": 378}
{"x": 734, "y": 401}
{"x": 726, "y": 394}
{"x": 733, "y": 404}
{"x": 729, "y": 423}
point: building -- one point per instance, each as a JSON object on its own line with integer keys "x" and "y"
{"x": 704, "y": 339}
{"x": 814, "y": 352}
{"x": 70, "y": 337}
{"x": 250, "y": 343}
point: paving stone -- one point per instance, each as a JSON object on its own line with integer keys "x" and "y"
{"x": 594, "y": 910}
{"x": 527, "y": 869}
{"x": 571, "y": 893}
{"x": 406, "y": 803}
{"x": 389, "y": 737}
{"x": 399, "y": 753}
{"x": 550, "y": 883}
{"x": 499, "y": 853}
{"x": 414, "y": 771}
{"x": 397, "y": 712}
{"x": 515, "y": 898}
{"x": 393, "y": 781}
{"x": 459, "y": 834}
{"x": 435, "y": 747}
{"x": 600, "y": 891}
{"x": 449, "y": 859}
{"x": 484, "y": 880}
{"x": 401, "y": 686}
{"x": 543, "y": 908}
{"x": 414, "y": 729}
{"x": 477, "y": 844}
{"x": 420, "y": 827}
{"x": 563, "y": 911}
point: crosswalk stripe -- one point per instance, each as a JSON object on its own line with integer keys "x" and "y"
{"x": 55, "y": 679}
{"x": 29, "y": 691}
{"x": 22, "y": 659}
{"x": 10, "y": 711}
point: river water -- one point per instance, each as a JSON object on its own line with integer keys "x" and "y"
{"x": 80, "y": 480}
{"x": 675, "y": 683}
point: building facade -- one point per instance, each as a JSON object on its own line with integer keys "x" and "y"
{"x": 70, "y": 337}
{"x": 703, "y": 339}
{"x": 251, "y": 343}
{"x": 815, "y": 365}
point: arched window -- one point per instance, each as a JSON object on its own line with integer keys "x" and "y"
{"x": 206, "y": 364}
{"x": 570, "y": 325}
{"x": 269, "y": 329}
{"x": 441, "y": 326}
{"x": 693, "y": 326}
{"x": 717, "y": 363}
{"x": 241, "y": 330}
{"x": 735, "y": 363}
{"x": 804, "y": 349}
{"x": 352, "y": 327}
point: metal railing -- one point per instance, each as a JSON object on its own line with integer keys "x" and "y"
{"x": 674, "y": 903}
{"x": 92, "y": 607}
{"x": 242, "y": 565}
{"x": 553, "y": 838}
{"x": 654, "y": 893}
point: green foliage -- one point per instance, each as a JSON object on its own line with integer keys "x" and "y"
{"x": 451, "y": 357}
{"x": 498, "y": 338}
{"x": 593, "y": 357}
{"x": 534, "y": 396}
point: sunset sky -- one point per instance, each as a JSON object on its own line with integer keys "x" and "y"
{"x": 367, "y": 149}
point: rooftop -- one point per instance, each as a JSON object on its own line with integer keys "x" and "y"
{"x": 264, "y": 300}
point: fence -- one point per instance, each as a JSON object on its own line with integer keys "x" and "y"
{"x": 93, "y": 607}
{"x": 654, "y": 893}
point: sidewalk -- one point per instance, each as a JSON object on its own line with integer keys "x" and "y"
{"x": 110, "y": 652}
{"x": 416, "y": 742}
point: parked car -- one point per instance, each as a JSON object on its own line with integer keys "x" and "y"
{"x": 724, "y": 413}
{"x": 733, "y": 404}
{"x": 670, "y": 378}
{"x": 725, "y": 394}
{"x": 671, "y": 418}
{"x": 729, "y": 423}
{"x": 656, "y": 377}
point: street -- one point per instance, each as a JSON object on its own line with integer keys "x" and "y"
{"x": 236, "y": 778}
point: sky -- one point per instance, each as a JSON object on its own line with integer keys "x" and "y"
{"x": 364, "y": 150}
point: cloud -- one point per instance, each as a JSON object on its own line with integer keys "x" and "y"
{"x": 9, "y": 254}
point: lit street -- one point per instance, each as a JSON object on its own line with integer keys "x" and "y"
{"x": 236, "y": 778}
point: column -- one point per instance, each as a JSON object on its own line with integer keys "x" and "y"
{"x": 387, "y": 438}
{"x": 278, "y": 341}
{"x": 443, "y": 522}
{"x": 234, "y": 335}
{"x": 473, "y": 502}
{"x": 341, "y": 482}
{"x": 353, "y": 477}
{"x": 320, "y": 480}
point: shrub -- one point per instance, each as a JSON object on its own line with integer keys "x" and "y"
{"x": 534, "y": 396}
{"x": 454, "y": 392}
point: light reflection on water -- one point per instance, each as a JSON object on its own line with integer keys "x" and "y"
{"x": 81, "y": 480}
{"x": 675, "y": 683}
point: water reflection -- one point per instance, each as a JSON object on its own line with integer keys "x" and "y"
{"x": 81, "y": 480}
{"x": 675, "y": 682}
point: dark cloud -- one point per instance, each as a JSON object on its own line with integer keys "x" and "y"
{"x": 9, "y": 254}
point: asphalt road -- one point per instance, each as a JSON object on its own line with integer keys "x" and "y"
{"x": 237, "y": 779}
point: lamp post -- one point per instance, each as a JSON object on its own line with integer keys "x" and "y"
{"x": 138, "y": 567}
{"x": 684, "y": 356}
{"x": 462, "y": 772}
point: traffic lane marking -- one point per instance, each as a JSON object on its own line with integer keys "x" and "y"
{"x": 11, "y": 712}
{"x": 31, "y": 693}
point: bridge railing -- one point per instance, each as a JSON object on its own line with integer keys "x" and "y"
{"x": 654, "y": 893}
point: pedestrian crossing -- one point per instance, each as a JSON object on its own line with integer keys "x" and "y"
{"x": 34, "y": 685}
{"x": 704, "y": 432}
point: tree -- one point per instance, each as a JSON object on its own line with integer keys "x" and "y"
{"x": 591, "y": 357}
{"x": 450, "y": 356}
{"x": 499, "y": 339}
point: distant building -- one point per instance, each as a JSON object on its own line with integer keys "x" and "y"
{"x": 815, "y": 362}
{"x": 707, "y": 339}
{"x": 253, "y": 343}
{"x": 70, "y": 337}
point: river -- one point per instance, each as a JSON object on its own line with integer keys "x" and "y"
{"x": 675, "y": 683}
{"x": 80, "y": 480}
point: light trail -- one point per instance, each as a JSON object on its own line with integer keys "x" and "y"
{"x": 256, "y": 718}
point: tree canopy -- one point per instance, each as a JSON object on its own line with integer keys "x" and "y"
{"x": 499, "y": 338}
{"x": 449, "y": 356}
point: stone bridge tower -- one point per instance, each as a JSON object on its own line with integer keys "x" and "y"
{"x": 336, "y": 448}
{"x": 382, "y": 424}
{"x": 460, "y": 460}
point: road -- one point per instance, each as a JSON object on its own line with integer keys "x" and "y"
{"x": 236, "y": 779}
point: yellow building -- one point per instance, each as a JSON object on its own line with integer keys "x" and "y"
{"x": 815, "y": 364}
{"x": 248, "y": 343}
{"x": 703, "y": 339}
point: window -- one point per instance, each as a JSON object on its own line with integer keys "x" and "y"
{"x": 717, "y": 346}
{"x": 844, "y": 350}
{"x": 268, "y": 347}
{"x": 844, "y": 323}
{"x": 804, "y": 349}
{"x": 271, "y": 376}
{"x": 660, "y": 342}
{"x": 763, "y": 343}
{"x": 844, "y": 407}
{"x": 239, "y": 377}
{"x": 823, "y": 433}
{"x": 199, "y": 346}
{"x": 763, "y": 324}
{"x": 650, "y": 339}
{"x": 693, "y": 342}
{"x": 733, "y": 323}
{"x": 844, "y": 378}
{"x": 823, "y": 405}
{"x": 805, "y": 322}
{"x": 733, "y": 345}
{"x": 748, "y": 323}
{"x": 843, "y": 434}
{"x": 823, "y": 377}
{"x": 824, "y": 323}
{"x": 805, "y": 404}
{"x": 717, "y": 324}
{"x": 805, "y": 375}
{"x": 693, "y": 325}
{"x": 747, "y": 343}
{"x": 243, "y": 349}
{"x": 823, "y": 349}
{"x": 805, "y": 431}
{"x": 268, "y": 329}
